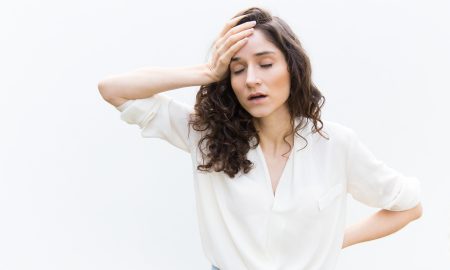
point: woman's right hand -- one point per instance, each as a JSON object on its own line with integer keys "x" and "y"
{"x": 231, "y": 39}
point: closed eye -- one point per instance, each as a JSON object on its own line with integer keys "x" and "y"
{"x": 264, "y": 66}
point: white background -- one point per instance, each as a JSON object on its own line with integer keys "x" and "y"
{"x": 80, "y": 189}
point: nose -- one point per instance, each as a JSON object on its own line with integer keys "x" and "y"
{"x": 252, "y": 77}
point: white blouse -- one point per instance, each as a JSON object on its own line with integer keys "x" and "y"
{"x": 244, "y": 226}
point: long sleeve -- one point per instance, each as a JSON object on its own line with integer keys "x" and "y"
{"x": 159, "y": 116}
{"x": 375, "y": 184}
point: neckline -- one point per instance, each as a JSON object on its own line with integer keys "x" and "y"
{"x": 268, "y": 180}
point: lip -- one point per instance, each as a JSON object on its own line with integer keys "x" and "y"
{"x": 258, "y": 100}
{"x": 256, "y": 94}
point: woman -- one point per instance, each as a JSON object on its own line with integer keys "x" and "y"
{"x": 271, "y": 177}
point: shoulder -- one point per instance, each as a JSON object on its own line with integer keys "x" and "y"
{"x": 336, "y": 127}
{"x": 337, "y": 133}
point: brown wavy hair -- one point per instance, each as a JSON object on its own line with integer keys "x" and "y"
{"x": 229, "y": 127}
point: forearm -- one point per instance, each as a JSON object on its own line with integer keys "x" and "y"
{"x": 145, "y": 82}
{"x": 380, "y": 224}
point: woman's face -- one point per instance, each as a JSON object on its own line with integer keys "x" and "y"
{"x": 260, "y": 66}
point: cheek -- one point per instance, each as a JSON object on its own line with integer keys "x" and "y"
{"x": 283, "y": 81}
{"x": 236, "y": 85}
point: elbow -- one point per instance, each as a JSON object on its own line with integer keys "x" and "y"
{"x": 101, "y": 86}
{"x": 105, "y": 90}
{"x": 416, "y": 212}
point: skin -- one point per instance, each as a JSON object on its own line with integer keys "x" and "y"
{"x": 270, "y": 118}
{"x": 380, "y": 224}
{"x": 267, "y": 73}
{"x": 272, "y": 81}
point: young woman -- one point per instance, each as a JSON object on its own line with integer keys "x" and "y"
{"x": 271, "y": 177}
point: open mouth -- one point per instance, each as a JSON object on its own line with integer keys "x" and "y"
{"x": 257, "y": 97}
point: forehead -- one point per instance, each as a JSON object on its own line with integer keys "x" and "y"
{"x": 256, "y": 43}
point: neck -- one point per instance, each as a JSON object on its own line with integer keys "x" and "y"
{"x": 271, "y": 131}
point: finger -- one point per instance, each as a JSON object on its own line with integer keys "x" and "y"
{"x": 221, "y": 54}
{"x": 234, "y": 48}
{"x": 240, "y": 28}
{"x": 230, "y": 24}
{"x": 222, "y": 61}
{"x": 233, "y": 39}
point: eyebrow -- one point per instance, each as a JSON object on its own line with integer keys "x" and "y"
{"x": 256, "y": 54}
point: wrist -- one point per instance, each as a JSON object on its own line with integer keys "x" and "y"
{"x": 208, "y": 74}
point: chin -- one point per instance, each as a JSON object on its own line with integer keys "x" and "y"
{"x": 259, "y": 113}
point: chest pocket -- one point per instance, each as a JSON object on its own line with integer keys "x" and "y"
{"x": 316, "y": 212}
{"x": 327, "y": 199}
